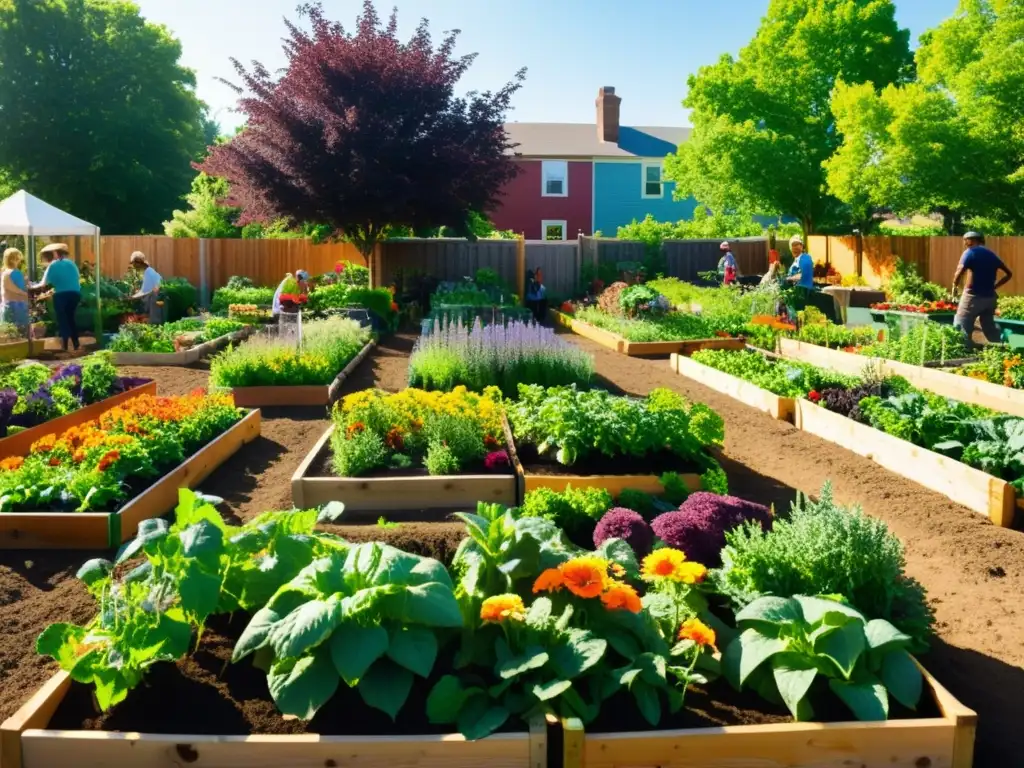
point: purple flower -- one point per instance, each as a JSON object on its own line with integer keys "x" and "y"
{"x": 8, "y": 399}
{"x": 125, "y": 383}
{"x": 699, "y": 526}
{"x": 496, "y": 460}
{"x": 625, "y": 524}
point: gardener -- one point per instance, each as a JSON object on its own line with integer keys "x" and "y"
{"x": 62, "y": 276}
{"x": 302, "y": 277}
{"x": 726, "y": 262}
{"x": 13, "y": 291}
{"x": 802, "y": 270}
{"x": 149, "y": 293}
{"x": 536, "y": 294}
{"x": 979, "y": 298}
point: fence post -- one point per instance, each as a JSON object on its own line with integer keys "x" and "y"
{"x": 860, "y": 255}
{"x": 578, "y": 274}
{"x": 376, "y": 278}
{"x": 204, "y": 275}
{"x": 521, "y": 267}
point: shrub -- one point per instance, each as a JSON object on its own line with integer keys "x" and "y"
{"x": 698, "y": 528}
{"x": 610, "y": 300}
{"x": 625, "y": 524}
{"x": 575, "y": 510}
{"x": 225, "y": 297}
{"x": 180, "y": 297}
{"x": 238, "y": 282}
{"x": 824, "y": 548}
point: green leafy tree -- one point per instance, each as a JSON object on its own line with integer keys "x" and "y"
{"x": 99, "y": 116}
{"x": 206, "y": 217}
{"x": 763, "y": 122}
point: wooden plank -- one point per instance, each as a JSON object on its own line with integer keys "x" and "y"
{"x": 837, "y": 360}
{"x": 781, "y": 408}
{"x": 572, "y": 743}
{"x": 19, "y": 444}
{"x": 538, "y": 742}
{"x": 335, "y": 388}
{"x": 34, "y": 713}
{"x": 614, "y": 484}
{"x": 54, "y": 530}
{"x": 695, "y": 345}
{"x": 162, "y": 496}
{"x": 965, "y": 485}
{"x": 299, "y": 476}
{"x": 14, "y": 350}
{"x": 185, "y": 357}
{"x": 602, "y": 337}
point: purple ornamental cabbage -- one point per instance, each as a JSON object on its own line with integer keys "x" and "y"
{"x": 625, "y": 524}
{"x": 699, "y": 526}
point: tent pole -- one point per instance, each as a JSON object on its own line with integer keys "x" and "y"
{"x": 99, "y": 301}
{"x": 30, "y": 246}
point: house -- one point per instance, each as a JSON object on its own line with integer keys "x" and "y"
{"x": 586, "y": 178}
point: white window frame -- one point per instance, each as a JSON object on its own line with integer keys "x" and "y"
{"x": 643, "y": 179}
{"x": 545, "y": 223}
{"x": 544, "y": 178}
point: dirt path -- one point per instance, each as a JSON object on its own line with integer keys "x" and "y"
{"x": 974, "y": 571}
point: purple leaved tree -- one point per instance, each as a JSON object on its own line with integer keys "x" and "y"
{"x": 363, "y": 131}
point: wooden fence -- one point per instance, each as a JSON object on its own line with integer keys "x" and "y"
{"x": 935, "y": 257}
{"x": 688, "y": 257}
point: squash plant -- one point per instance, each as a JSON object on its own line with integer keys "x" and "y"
{"x": 369, "y": 617}
{"x": 786, "y": 645}
{"x": 192, "y": 569}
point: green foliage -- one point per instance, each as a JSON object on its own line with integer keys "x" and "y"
{"x": 910, "y": 230}
{"x": 787, "y": 645}
{"x": 920, "y": 417}
{"x": 786, "y": 378}
{"x": 98, "y": 376}
{"x": 121, "y": 156}
{"x": 673, "y": 326}
{"x": 142, "y": 337}
{"x": 327, "y": 347}
{"x": 206, "y": 216}
{"x": 922, "y": 343}
{"x": 1011, "y": 308}
{"x": 828, "y": 334}
{"x": 180, "y": 296}
{"x": 574, "y": 510}
{"x": 825, "y": 548}
{"x": 228, "y": 295}
{"x": 906, "y": 286}
{"x": 704, "y": 224}
{"x": 766, "y": 115}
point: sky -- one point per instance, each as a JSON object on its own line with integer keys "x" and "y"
{"x": 645, "y": 49}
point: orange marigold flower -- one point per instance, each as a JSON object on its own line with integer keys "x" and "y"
{"x": 490, "y": 441}
{"x": 501, "y": 607}
{"x": 354, "y": 429}
{"x": 394, "y": 439}
{"x": 662, "y": 564}
{"x": 698, "y": 631}
{"x": 621, "y": 597}
{"x": 549, "y": 581}
{"x": 44, "y": 444}
{"x": 585, "y": 576}
{"x": 79, "y": 455}
{"x": 108, "y": 459}
{"x": 617, "y": 570}
{"x": 54, "y": 461}
{"x": 12, "y": 463}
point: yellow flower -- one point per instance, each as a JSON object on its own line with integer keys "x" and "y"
{"x": 501, "y": 607}
{"x": 691, "y": 573}
{"x": 662, "y": 564}
{"x": 698, "y": 631}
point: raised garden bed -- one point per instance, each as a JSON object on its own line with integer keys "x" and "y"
{"x": 27, "y": 742}
{"x": 944, "y": 740}
{"x": 640, "y": 348}
{"x": 974, "y": 489}
{"x": 781, "y": 408}
{"x": 14, "y": 350}
{"x": 309, "y": 395}
{"x": 185, "y": 357}
{"x": 98, "y": 530}
{"x": 963, "y": 388}
{"x": 314, "y": 485}
{"x": 19, "y": 443}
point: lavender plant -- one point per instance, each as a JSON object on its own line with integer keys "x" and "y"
{"x": 501, "y": 355}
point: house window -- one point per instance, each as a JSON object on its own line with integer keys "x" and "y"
{"x": 553, "y": 230}
{"x": 652, "y": 186}
{"x": 554, "y": 178}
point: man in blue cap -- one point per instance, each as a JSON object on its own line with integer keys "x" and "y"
{"x": 979, "y": 297}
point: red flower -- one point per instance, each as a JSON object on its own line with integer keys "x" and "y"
{"x": 108, "y": 459}
{"x": 339, "y": 268}
{"x": 394, "y": 306}
{"x": 295, "y": 298}
{"x": 355, "y": 429}
{"x": 814, "y": 396}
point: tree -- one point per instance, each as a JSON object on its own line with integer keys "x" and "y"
{"x": 99, "y": 117}
{"x": 206, "y": 217}
{"x": 363, "y": 132}
{"x": 763, "y": 122}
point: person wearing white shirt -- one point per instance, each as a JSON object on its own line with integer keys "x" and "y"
{"x": 149, "y": 294}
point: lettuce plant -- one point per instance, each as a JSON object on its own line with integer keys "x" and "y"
{"x": 369, "y": 616}
{"x": 787, "y": 645}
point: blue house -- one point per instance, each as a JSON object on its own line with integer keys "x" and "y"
{"x": 625, "y": 167}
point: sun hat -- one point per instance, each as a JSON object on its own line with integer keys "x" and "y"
{"x": 796, "y": 239}
{"x": 55, "y": 247}
{"x": 724, "y": 246}
{"x": 302, "y": 274}
{"x": 137, "y": 257}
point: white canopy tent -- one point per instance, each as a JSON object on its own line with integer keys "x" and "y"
{"x": 27, "y": 215}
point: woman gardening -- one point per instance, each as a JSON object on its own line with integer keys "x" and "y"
{"x": 13, "y": 291}
{"x": 62, "y": 276}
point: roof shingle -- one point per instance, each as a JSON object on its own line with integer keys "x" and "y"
{"x": 563, "y": 140}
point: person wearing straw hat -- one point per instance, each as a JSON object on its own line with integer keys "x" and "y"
{"x": 13, "y": 291}
{"x": 802, "y": 270}
{"x": 62, "y": 276}
{"x": 979, "y": 299}
{"x": 149, "y": 293}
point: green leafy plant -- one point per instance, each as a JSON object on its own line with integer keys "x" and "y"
{"x": 923, "y": 343}
{"x": 180, "y": 296}
{"x": 235, "y": 293}
{"x": 786, "y": 378}
{"x": 371, "y": 617}
{"x": 788, "y": 644}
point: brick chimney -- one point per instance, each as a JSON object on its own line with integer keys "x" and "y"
{"x": 608, "y": 115}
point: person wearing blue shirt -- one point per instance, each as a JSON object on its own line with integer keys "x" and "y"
{"x": 62, "y": 276}
{"x": 802, "y": 270}
{"x": 978, "y": 301}
{"x": 149, "y": 293}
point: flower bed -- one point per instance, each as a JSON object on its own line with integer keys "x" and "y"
{"x": 266, "y": 371}
{"x": 777, "y": 406}
{"x": 91, "y": 485}
{"x": 638, "y": 337}
{"x": 410, "y": 451}
{"x": 813, "y": 615}
{"x": 565, "y": 437}
{"x": 179, "y": 343}
{"x": 501, "y": 355}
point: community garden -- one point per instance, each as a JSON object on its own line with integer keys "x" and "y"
{"x": 498, "y": 540}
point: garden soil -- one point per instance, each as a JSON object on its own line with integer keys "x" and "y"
{"x": 974, "y": 572}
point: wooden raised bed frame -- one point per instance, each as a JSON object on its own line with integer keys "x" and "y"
{"x": 780, "y": 408}
{"x": 25, "y": 743}
{"x": 185, "y": 357}
{"x": 397, "y": 494}
{"x": 939, "y": 742}
{"x": 970, "y": 487}
{"x": 101, "y": 530}
{"x": 308, "y": 395}
{"x": 640, "y": 348}
{"x": 19, "y": 443}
